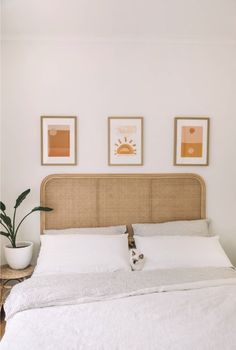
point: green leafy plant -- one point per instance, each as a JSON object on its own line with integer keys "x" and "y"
{"x": 10, "y": 227}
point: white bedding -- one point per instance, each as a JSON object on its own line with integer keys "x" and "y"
{"x": 124, "y": 310}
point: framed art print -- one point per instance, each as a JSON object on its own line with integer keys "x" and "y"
{"x": 58, "y": 140}
{"x": 191, "y": 141}
{"x": 125, "y": 140}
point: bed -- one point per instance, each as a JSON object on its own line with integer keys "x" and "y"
{"x": 172, "y": 307}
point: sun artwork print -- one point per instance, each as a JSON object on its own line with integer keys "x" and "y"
{"x": 125, "y": 146}
{"x": 125, "y": 140}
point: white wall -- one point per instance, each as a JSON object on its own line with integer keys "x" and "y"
{"x": 98, "y": 79}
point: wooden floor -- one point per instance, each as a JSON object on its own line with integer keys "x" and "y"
{"x": 2, "y": 323}
{"x": 2, "y": 328}
{"x": 3, "y": 295}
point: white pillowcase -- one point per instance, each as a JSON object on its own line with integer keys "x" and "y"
{"x": 162, "y": 252}
{"x": 110, "y": 230}
{"x": 172, "y": 228}
{"x": 72, "y": 253}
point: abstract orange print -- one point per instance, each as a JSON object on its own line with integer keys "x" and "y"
{"x": 58, "y": 141}
{"x": 191, "y": 141}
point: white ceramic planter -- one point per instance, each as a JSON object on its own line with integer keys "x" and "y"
{"x": 20, "y": 257}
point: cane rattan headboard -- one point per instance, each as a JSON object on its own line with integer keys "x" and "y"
{"x": 90, "y": 200}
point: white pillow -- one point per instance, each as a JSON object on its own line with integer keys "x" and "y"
{"x": 110, "y": 230}
{"x": 72, "y": 253}
{"x": 172, "y": 228}
{"x": 164, "y": 252}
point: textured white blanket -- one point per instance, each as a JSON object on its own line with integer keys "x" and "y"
{"x": 96, "y": 311}
{"x": 55, "y": 290}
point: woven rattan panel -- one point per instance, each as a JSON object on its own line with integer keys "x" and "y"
{"x": 92, "y": 200}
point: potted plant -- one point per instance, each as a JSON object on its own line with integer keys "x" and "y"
{"x": 18, "y": 254}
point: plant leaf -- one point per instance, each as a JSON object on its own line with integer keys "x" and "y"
{"x": 6, "y": 220}
{"x": 4, "y": 234}
{"x": 2, "y": 206}
{"x": 41, "y": 209}
{"x": 21, "y": 197}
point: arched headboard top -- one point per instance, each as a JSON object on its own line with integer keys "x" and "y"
{"x": 95, "y": 200}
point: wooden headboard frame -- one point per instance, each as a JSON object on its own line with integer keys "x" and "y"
{"x": 93, "y": 200}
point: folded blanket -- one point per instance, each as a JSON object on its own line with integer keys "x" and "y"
{"x": 56, "y": 290}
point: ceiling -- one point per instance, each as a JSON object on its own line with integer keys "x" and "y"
{"x": 120, "y": 19}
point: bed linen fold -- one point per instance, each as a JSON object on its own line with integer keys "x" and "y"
{"x": 58, "y": 290}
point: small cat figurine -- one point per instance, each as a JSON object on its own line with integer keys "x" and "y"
{"x": 136, "y": 259}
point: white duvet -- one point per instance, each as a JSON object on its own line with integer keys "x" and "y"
{"x": 165, "y": 309}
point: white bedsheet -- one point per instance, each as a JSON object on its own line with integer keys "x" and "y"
{"x": 203, "y": 317}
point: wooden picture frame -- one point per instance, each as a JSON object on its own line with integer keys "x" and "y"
{"x": 191, "y": 141}
{"x": 58, "y": 140}
{"x": 125, "y": 141}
